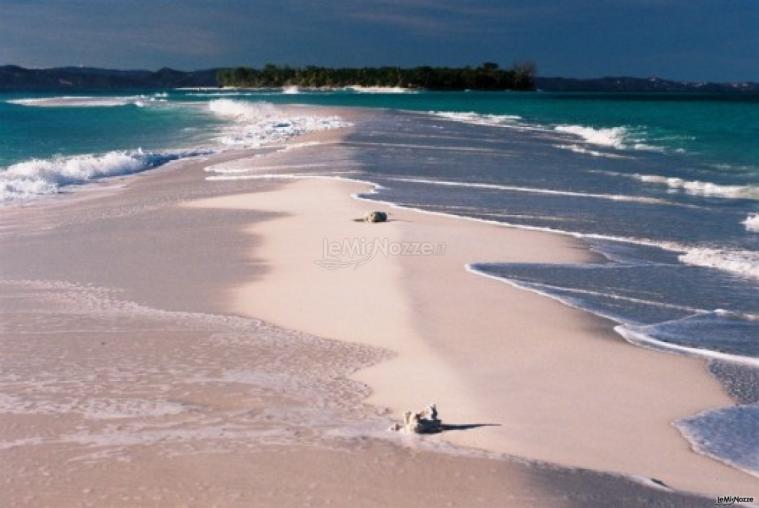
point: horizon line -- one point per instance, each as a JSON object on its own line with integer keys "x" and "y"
{"x": 216, "y": 68}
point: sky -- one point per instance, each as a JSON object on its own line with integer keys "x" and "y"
{"x": 710, "y": 40}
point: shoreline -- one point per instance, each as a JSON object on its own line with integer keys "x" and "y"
{"x": 716, "y": 396}
{"x": 390, "y": 381}
{"x": 401, "y": 300}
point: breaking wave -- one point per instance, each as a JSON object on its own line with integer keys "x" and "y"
{"x": 618, "y": 138}
{"x": 740, "y": 262}
{"x": 752, "y": 223}
{"x": 587, "y": 151}
{"x": 379, "y": 89}
{"x": 700, "y": 188}
{"x": 90, "y": 102}
{"x": 257, "y": 124}
{"x": 612, "y": 136}
{"x": 478, "y": 119}
{"x": 38, "y": 177}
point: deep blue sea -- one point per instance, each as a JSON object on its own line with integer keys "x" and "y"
{"x": 663, "y": 187}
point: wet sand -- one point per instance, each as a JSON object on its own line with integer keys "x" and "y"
{"x": 136, "y": 370}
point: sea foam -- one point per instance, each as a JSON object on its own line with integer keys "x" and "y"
{"x": 37, "y": 177}
{"x": 752, "y": 223}
{"x": 379, "y": 89}
{"x": 618, "y": 138}
{"x": 612, "y": 136}
{"x": 587, "y": 151}
{"x": 473, "y": 118}
{"x": 701, "y": 188}
{"x": 257, "y": 124}
{"x": 90, "y": 102}
{"x": 740, "y": 262}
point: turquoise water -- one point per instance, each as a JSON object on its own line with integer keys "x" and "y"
{"x": 28, "y": 132}
{"x": 718, "y": 129}
{"x": 721, "y": 129}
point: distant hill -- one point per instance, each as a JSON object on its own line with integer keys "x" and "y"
{"x": 13, "y": 77}
{"x": 639, "y": 85}
{"x": 18, "y": 78}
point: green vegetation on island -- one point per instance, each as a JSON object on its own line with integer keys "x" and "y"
{"x": 488, "y": 76}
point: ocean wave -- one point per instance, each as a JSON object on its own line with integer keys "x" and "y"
{"x": 38, "y": 177}
{"x": 701, "y": 188}
{"x": 257, "y": 124}
{"x": 471, "y": 117}
{"x": 254, "y": 92}
{"x": 618, "y": 138}
{"x": 587, "y": 151}
{"x": 752, "y": 223}
{"x": 90, "y": 102}
{"x": 379, "y": 89}
{"x": 222, "y": 94}
{"x": 741, "y": 262}
{"x": 612, "y": 136}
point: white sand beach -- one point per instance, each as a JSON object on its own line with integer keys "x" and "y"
{"x": 203, "y": 343}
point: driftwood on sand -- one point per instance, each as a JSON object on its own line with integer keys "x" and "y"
{"x": 422, "y": 422}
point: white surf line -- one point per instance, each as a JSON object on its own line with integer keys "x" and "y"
{"x": 697, "y": 446}
{"x": 631, "y": 299}
{"x": 535, "y": 190}
{"x": 631, "y": 336}
{"x": 587, "y": 151}
{"x": 628, "y": 335}
{"x": 641, "y": 340}
{"x": 644, "y": 340}
{"x": 374, "y": 187}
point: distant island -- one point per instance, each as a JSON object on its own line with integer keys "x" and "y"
{"x": 488, "y": 76}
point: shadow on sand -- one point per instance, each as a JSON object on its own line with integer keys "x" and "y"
{"x": 445, "y": 427}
